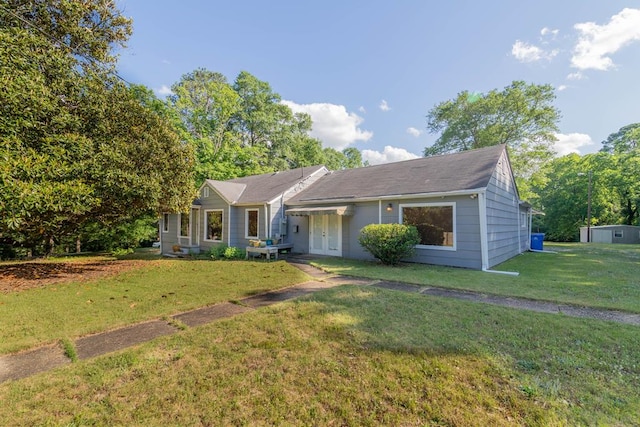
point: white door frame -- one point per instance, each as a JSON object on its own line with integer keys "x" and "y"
{"x": 326, "y": 249}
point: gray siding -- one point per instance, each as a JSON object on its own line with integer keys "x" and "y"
{"x": 238, "y": 221}
{"x": 467, "y": 236}
{"x": 213, "y": 201}
{"x": 504, "y": 234}
{"x": 364, "y": 214}
{"x": 171, "y": 238}
{"x": 467, "y": 253}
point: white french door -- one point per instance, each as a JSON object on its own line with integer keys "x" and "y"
{"x": 325, "y": 235}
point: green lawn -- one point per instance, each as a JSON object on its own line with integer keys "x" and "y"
{"x": 605, "y": 276}
{"x": 159, "y": 287}
{"x": 345, "y": 356}
{"x": 353, "y": 356}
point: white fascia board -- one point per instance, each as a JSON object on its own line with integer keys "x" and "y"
{"x": 393, "y": 197}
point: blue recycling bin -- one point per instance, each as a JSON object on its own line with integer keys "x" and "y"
{"x": 536, "y": 241}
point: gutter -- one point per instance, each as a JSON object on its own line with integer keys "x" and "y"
{"x": 353, "y": 199}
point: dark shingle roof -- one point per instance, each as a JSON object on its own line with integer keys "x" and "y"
{"x": 259, "y": 189}
{"x": 466, "y": 170}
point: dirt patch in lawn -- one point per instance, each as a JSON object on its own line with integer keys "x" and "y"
{"x": 29, "y": 275}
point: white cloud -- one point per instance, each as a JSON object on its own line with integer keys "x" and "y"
{"x": 413, "y": 131}
{"x": 166, "y": 61}
{"x": 575, "y": 76}
{"x": 163, "y": 91}
{"x": 362, "y": 110}
{"x": 388, "y": 155}
{"x": 332, "y": 124}
{"x": 384, "y": 106}
{"x": 546, "y": 31}
{"x": 561, "y": 88}
{"x": 571, "y": 143}
{"x": 525, "y": 52}
{"x": 598, "y": 42}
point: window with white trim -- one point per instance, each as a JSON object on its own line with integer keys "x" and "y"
{"x": 165, "y": 222}
{"x": 617, "y": 234}
{"x": 251, "y": 230}
{"x": 183, "y": 221}
{"x": 523, "y": 220}
{"x": 435, "y": 222}
{"x": 205, "y": 192}
{"x": 213, "y": 225}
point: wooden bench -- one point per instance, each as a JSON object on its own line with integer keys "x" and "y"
{"x": 268, "y": 250}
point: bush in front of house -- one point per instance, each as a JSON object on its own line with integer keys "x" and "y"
{"x": 223, "y": 251}
{"x": 389, "y": 243}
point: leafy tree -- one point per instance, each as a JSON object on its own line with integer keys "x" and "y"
{"x": 624, "y": 145}
{"x": 625, "y": 140}
{"x": 88, "y": 30}
{"x": 77, "y": 146}
{"x": 244, "y": 129}
{"x": 353, "y": 158}
{"x": 522, "y": 116}
{"x": 206, "y": 104}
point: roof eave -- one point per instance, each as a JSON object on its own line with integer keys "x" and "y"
{"x": 389, "y": 197}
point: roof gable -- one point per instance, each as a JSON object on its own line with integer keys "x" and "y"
{"x": 466, "y": 170}
{"x": 229, "y": 191}
{"x": 266, "y": 187}
{"x": 261, "y": 189}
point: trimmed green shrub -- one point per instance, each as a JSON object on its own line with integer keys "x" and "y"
{"x": 223, "y": 251}
{"x": 389, "y": 243}
{"x": 233, "y": 253}
{"x": 218, "y": 251}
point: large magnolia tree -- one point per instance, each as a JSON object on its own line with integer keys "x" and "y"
{"x": 78, "y": 146}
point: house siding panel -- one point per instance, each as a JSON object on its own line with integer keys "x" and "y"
{"x": 364, "y": 214}
{"x": 504, "y": 234}
{"x": 213, "y": 201}
{"x": 467, "y": 253}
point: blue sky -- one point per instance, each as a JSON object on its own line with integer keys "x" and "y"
{"x": 368, "y": 72}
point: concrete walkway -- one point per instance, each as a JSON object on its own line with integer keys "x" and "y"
{"x": 20, "y": 365}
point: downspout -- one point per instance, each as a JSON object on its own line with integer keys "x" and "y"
{"x": 484, "y": 236}
{"x": 530, "y": 228}
{"x": 229, "y": 225}
{"x": 519, "y": 230}
{"x": 160, "y": 228}
{"x": 484, "y": 244}
{"x": 266, "y": 223}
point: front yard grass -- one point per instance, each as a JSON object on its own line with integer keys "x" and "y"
{"x": 155, "y": 288}
{"x": 594, "y": 275}
{"x": 353, "y": 356}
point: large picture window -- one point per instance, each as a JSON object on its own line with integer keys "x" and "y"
{"x": 251, "y": 223}
{"x": 184, "y": 224}
{"x": 435, "y": 223}
{"x": 213, "y": 226}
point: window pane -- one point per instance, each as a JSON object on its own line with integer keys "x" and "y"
{"x": 252, "y": 223}
{"x": 434, "y": 223}
{"x": 214, "y": 225}
{"x": 184, "y": 224}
